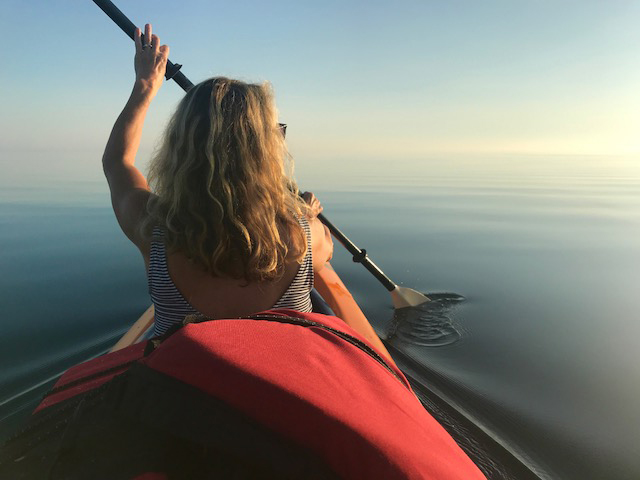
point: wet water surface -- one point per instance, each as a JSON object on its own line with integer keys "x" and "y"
{"x": 532, "y": 263}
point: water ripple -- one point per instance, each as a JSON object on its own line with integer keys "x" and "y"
{"x": 429, "y": 324}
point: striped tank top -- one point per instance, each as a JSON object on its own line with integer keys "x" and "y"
{"x": 171, "y": 307}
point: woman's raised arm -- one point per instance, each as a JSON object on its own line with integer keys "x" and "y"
{"x": 129, "y": 189}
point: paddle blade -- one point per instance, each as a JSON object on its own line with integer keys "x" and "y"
{"x": 407, "y": 297}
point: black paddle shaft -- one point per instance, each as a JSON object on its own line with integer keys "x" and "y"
{"x": 127, "y": 26}
{"x": 359, "y": 255}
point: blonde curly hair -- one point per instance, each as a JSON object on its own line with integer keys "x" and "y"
{"x": 222, "y": 178}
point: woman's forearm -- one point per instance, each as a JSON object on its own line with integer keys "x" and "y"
{"x": 124, "y": 140}
{"x": 331, "y": 288}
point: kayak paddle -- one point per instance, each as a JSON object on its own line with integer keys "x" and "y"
{"x": 400, "y": 296}
{"x": 129, "y": 28}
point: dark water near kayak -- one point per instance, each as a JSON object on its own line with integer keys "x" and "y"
{"x": 541, "y": 352}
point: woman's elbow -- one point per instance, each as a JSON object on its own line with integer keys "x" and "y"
{"x": 328, "y": 241}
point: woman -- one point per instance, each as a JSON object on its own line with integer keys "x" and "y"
{"x": 225, "y": 234}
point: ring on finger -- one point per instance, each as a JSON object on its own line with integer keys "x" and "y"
{"x": 146, "y": 45}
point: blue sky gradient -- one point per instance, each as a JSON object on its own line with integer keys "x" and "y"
{"x": 405, "y": 78}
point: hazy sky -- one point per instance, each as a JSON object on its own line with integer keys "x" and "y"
{"x": 403, "y": 78}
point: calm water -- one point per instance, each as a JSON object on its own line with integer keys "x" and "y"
{"x": 545, "y": 250}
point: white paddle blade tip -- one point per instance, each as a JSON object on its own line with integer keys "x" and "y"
{"x": 407, "y": 297}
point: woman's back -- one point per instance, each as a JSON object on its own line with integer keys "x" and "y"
{"x": 178, "y": 287}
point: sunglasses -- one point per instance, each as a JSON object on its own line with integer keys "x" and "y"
{"x": 283, "y": 128}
